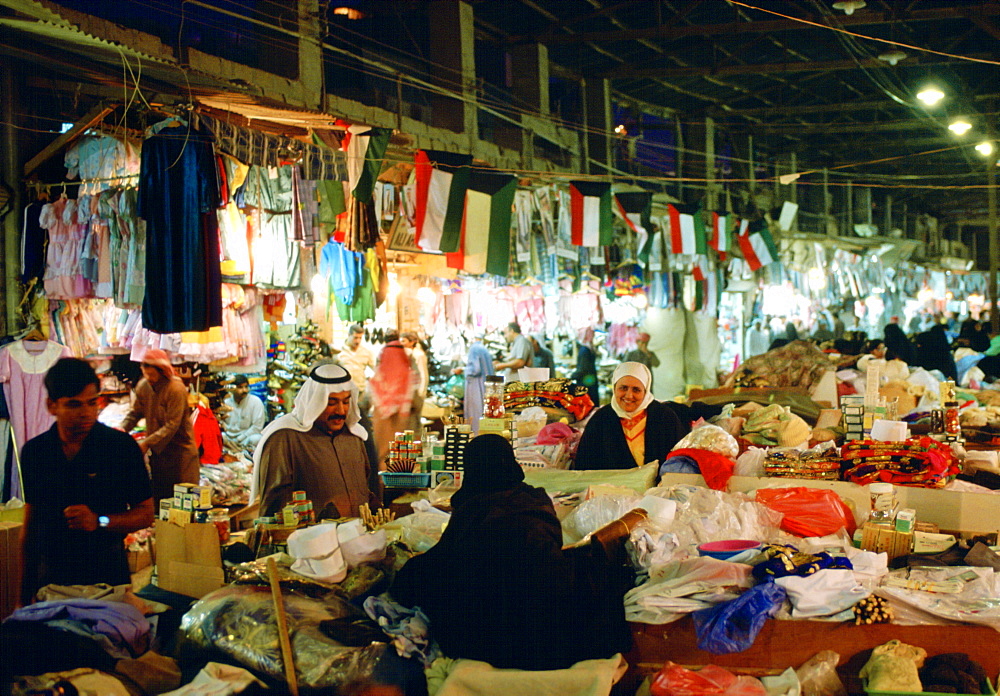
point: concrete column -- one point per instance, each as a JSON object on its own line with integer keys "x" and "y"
{"x": 10, "y": 174}
{"x": 454, "y": 57}
{"x": 311, "y": 54}
{"x": 711, "y": 191}
{"x": 530, "y": 65}
{"x": 597, "y": 98}
{"x": 991, "y": 281}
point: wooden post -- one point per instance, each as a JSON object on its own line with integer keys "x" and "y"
{"x": 282, "y": 621}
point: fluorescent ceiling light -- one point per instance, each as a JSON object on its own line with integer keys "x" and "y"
{"x": 959, "y": 127}
{"x": 848, "y": 6}
{"x": 930, "y": 96}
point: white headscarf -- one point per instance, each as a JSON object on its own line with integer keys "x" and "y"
{"x": 641, "y": 373}
{"x": 325, "y": 378}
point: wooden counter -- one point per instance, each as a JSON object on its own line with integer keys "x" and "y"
{"x": 782, "y": 644}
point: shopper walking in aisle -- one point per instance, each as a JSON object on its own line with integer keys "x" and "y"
{"x": 478, "y": 366}
{"x": 318, "y": 448}
{"x": 758, "y": 339}
{"x": 418, "y": 356}
{"x": 392, "y": 389}
{"x": 161, "y": 398}
{"x": 245, "y": 418}
{"x": 586, "y": 364}
{"x": 85, "y": 488}
{"x": 359, "y": 359}
{"x": 642, "y": 354}
{"x": 542, "y": 356}
{"x": 519, "y": 353}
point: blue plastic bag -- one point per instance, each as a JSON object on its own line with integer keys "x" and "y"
{"x": 733, "y": 626}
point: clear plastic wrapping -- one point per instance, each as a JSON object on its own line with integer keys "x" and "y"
{"x": 239, "y": 621}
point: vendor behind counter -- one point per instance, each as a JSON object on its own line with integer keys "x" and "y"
{"x": 635, "y": 429}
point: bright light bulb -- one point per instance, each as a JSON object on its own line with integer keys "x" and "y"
{"x": 426, "y": 295}
{"x": 930, "y": 96}
{"x": 848, "y": 6}
{"x": 959, "y": 127}
{"x": 985, "y": 148}
{"x": 318, "y": 284}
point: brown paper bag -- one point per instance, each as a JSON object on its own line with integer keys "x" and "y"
{"x": 188, "y": 558}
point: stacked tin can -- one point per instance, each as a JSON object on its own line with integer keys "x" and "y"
{"x": 404, "y": 452}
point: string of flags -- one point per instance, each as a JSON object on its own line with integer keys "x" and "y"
{"x": 476, "y": 218}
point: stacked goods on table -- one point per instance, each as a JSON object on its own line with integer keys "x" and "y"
{"x": 559, "y": 397}
{"x": 819, "y": 464}
{"x": 915, "y": 462}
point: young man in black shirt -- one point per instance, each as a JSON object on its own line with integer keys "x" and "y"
{"x": 85, "y": 485}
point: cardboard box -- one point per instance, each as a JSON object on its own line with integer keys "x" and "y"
{"x": 188, "y": 558}
{"x": 10, "y": 567}
{"x": 137, "y": 560}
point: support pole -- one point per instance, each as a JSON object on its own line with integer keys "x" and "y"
{"x": 991, "y": 198}
{"x": 10, "y": 175}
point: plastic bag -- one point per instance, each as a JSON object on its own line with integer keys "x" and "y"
{"x": 818, "y": 675}
{"x": 733, "y": 626}
{"x": 751, "y": 462}
{"x": 674, "y": 680}
{"x": 710, "y": 437}
{"x": 808, "y": 511}
{"x": 591, "y": 515}
{"x": 530, "y": 421}
{"x": 239, "y": 621}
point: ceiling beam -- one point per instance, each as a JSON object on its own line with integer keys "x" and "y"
{"x": 633, "y": 71}
{"x": 671, "y": 33}
{"x": 79, "y": 128}
{"x": 827, "y": 108}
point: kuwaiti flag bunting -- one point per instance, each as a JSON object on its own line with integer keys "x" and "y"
{"x": 485, "y": 236}
{"x": 441, "y": 179}
{"x": 633, "y": 207}
{"x": 756, "y": 243}
{"x": 700, "y": 270}
{"x": 590, "y": 213}
{"x": 365, "y": 150}
{"x": 720, "y": 234}
{"x": 687, "y": 230}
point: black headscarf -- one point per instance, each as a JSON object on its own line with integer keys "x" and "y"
{"x": 898, "y": 346}
{"x": 490, "y": 467}
{"x": 934, "y": 353}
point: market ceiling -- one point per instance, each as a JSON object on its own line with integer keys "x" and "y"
{"x": 792, "y": 76}
{"x": 797, "y": 75}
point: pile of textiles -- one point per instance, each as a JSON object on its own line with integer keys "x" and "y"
{"x": 810, "y": 464}
{"x": 558, "y": 397}
{"x": 916, "y": 462}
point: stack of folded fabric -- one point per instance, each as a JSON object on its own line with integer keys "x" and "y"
{"x": 916, "y": 462}
{"x": 559, "y": 397}
{"x": 810, "y": 464}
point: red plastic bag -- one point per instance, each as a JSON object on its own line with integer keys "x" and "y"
{"x": 674, "y": 680}
{"x": 808, "y": 511}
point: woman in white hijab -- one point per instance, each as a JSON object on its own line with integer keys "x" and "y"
{"x": 633, "y": 429}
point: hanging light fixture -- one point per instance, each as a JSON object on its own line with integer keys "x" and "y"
{"x": 930, "y": 95}
{"x": 985, "y": 148}
{"x": 848, "y": 6}
{"x": 960, "y": 126}
{"x": 892, "y": 57}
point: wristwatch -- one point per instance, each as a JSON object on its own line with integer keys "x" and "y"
{"x": 103, "y": 521}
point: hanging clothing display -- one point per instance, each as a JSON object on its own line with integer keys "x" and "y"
{"x": 274, "y": 251}
{"x": 178, "y": 197}
{"x": 23, "y": 365}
